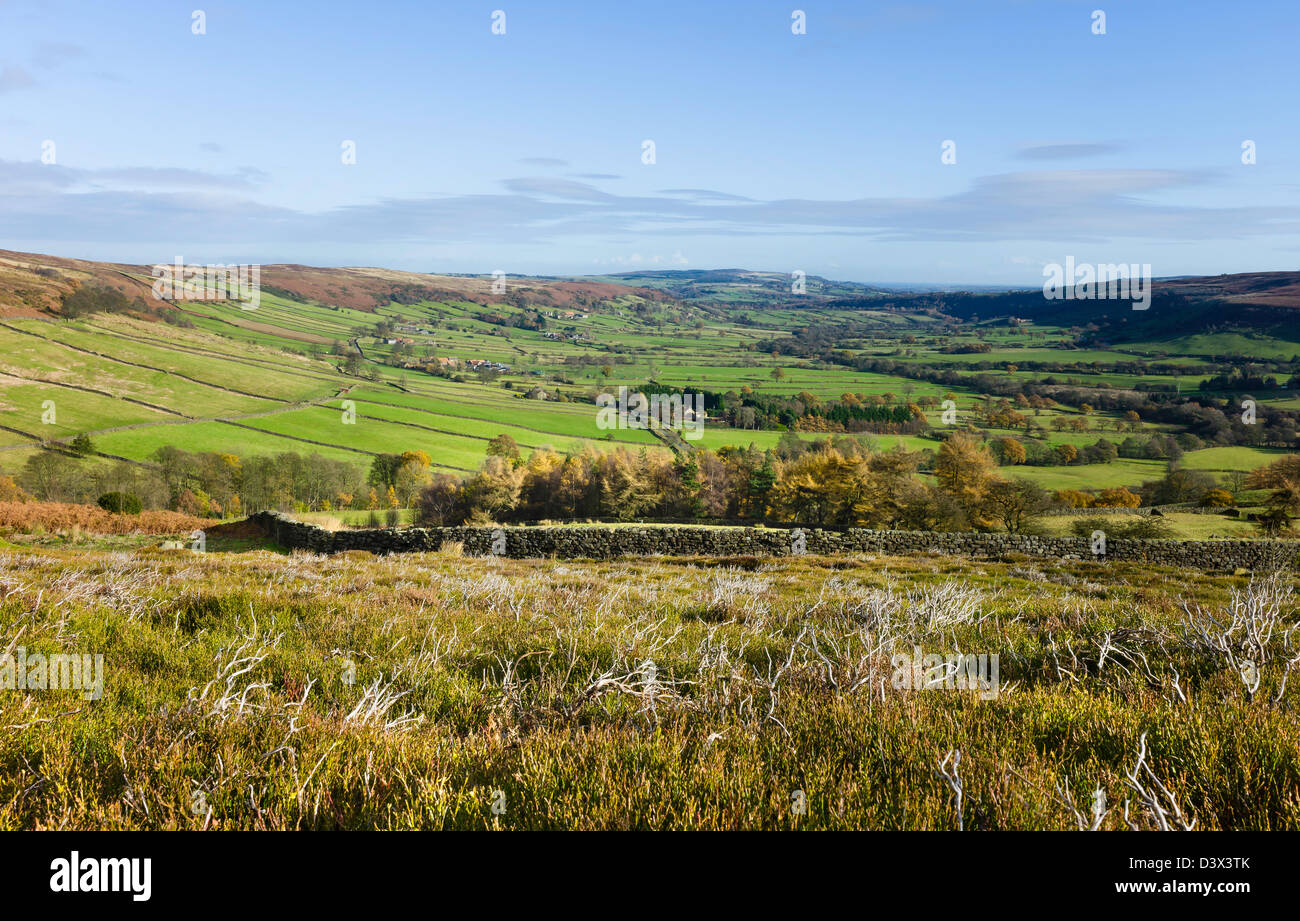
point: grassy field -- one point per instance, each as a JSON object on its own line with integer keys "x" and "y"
{"x": 1231, "y": 458}
{"x": 259, "y": 690}
{"x": 1181, "y": 525}
{"x": 274, "y": 379}
{"x": 356, "y": 518}
{"x": 1235, "y": 344}
{"x": 1123, "y": 472}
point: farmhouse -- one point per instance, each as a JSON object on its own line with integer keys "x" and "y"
{"x": 484, "y": 364}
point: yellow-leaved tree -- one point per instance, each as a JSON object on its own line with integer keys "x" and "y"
{"x": 965, "y": 470}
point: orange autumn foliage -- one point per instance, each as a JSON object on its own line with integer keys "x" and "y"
{"x": 58, "y": 516}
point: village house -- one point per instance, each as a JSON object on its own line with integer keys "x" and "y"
{"x": 483, "y": 364}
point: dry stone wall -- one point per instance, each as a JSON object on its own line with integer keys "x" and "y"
{"x": 597, "y": 542}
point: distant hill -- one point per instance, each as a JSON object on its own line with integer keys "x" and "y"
{"x": 1258, "y": 302}
{"x": 35, "y": 285}
{"x": 739, "y": 287}
{"x": 1255, "y": 302}
{"x": 1256, "y": 289}
{"x": 32, "y": 284}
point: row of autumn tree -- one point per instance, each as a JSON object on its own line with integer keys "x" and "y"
{"x": 836, "y": 481}
{"x": 839, "y": 482}
{"x": 218, "y": 484}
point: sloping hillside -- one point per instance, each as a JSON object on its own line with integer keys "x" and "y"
{"x": 32, "y": 284}
{"x": 445, "y": 364}
{"x": 35, "y": 285}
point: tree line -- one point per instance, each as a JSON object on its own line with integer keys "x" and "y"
{"x": 837, "y": 481}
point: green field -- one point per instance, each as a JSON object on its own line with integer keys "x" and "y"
{"x": 1181, "y": 525}
{"x": 275, "y": 379}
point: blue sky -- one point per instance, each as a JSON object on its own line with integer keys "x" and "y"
{"x": 523, "y": 152}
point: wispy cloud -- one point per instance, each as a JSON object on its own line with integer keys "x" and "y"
{"x": 703, "y": 195}
{"x": 557, "y": 188}
{"x": 1071, "y": 151}
{"x": 13, "y": 78}
{"x": 53, "y": 54}
{"x": 189, "y": 206}
{"x": 21, "y": 177}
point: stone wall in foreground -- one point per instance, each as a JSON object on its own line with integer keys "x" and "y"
{"x": 598, "y": 542}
